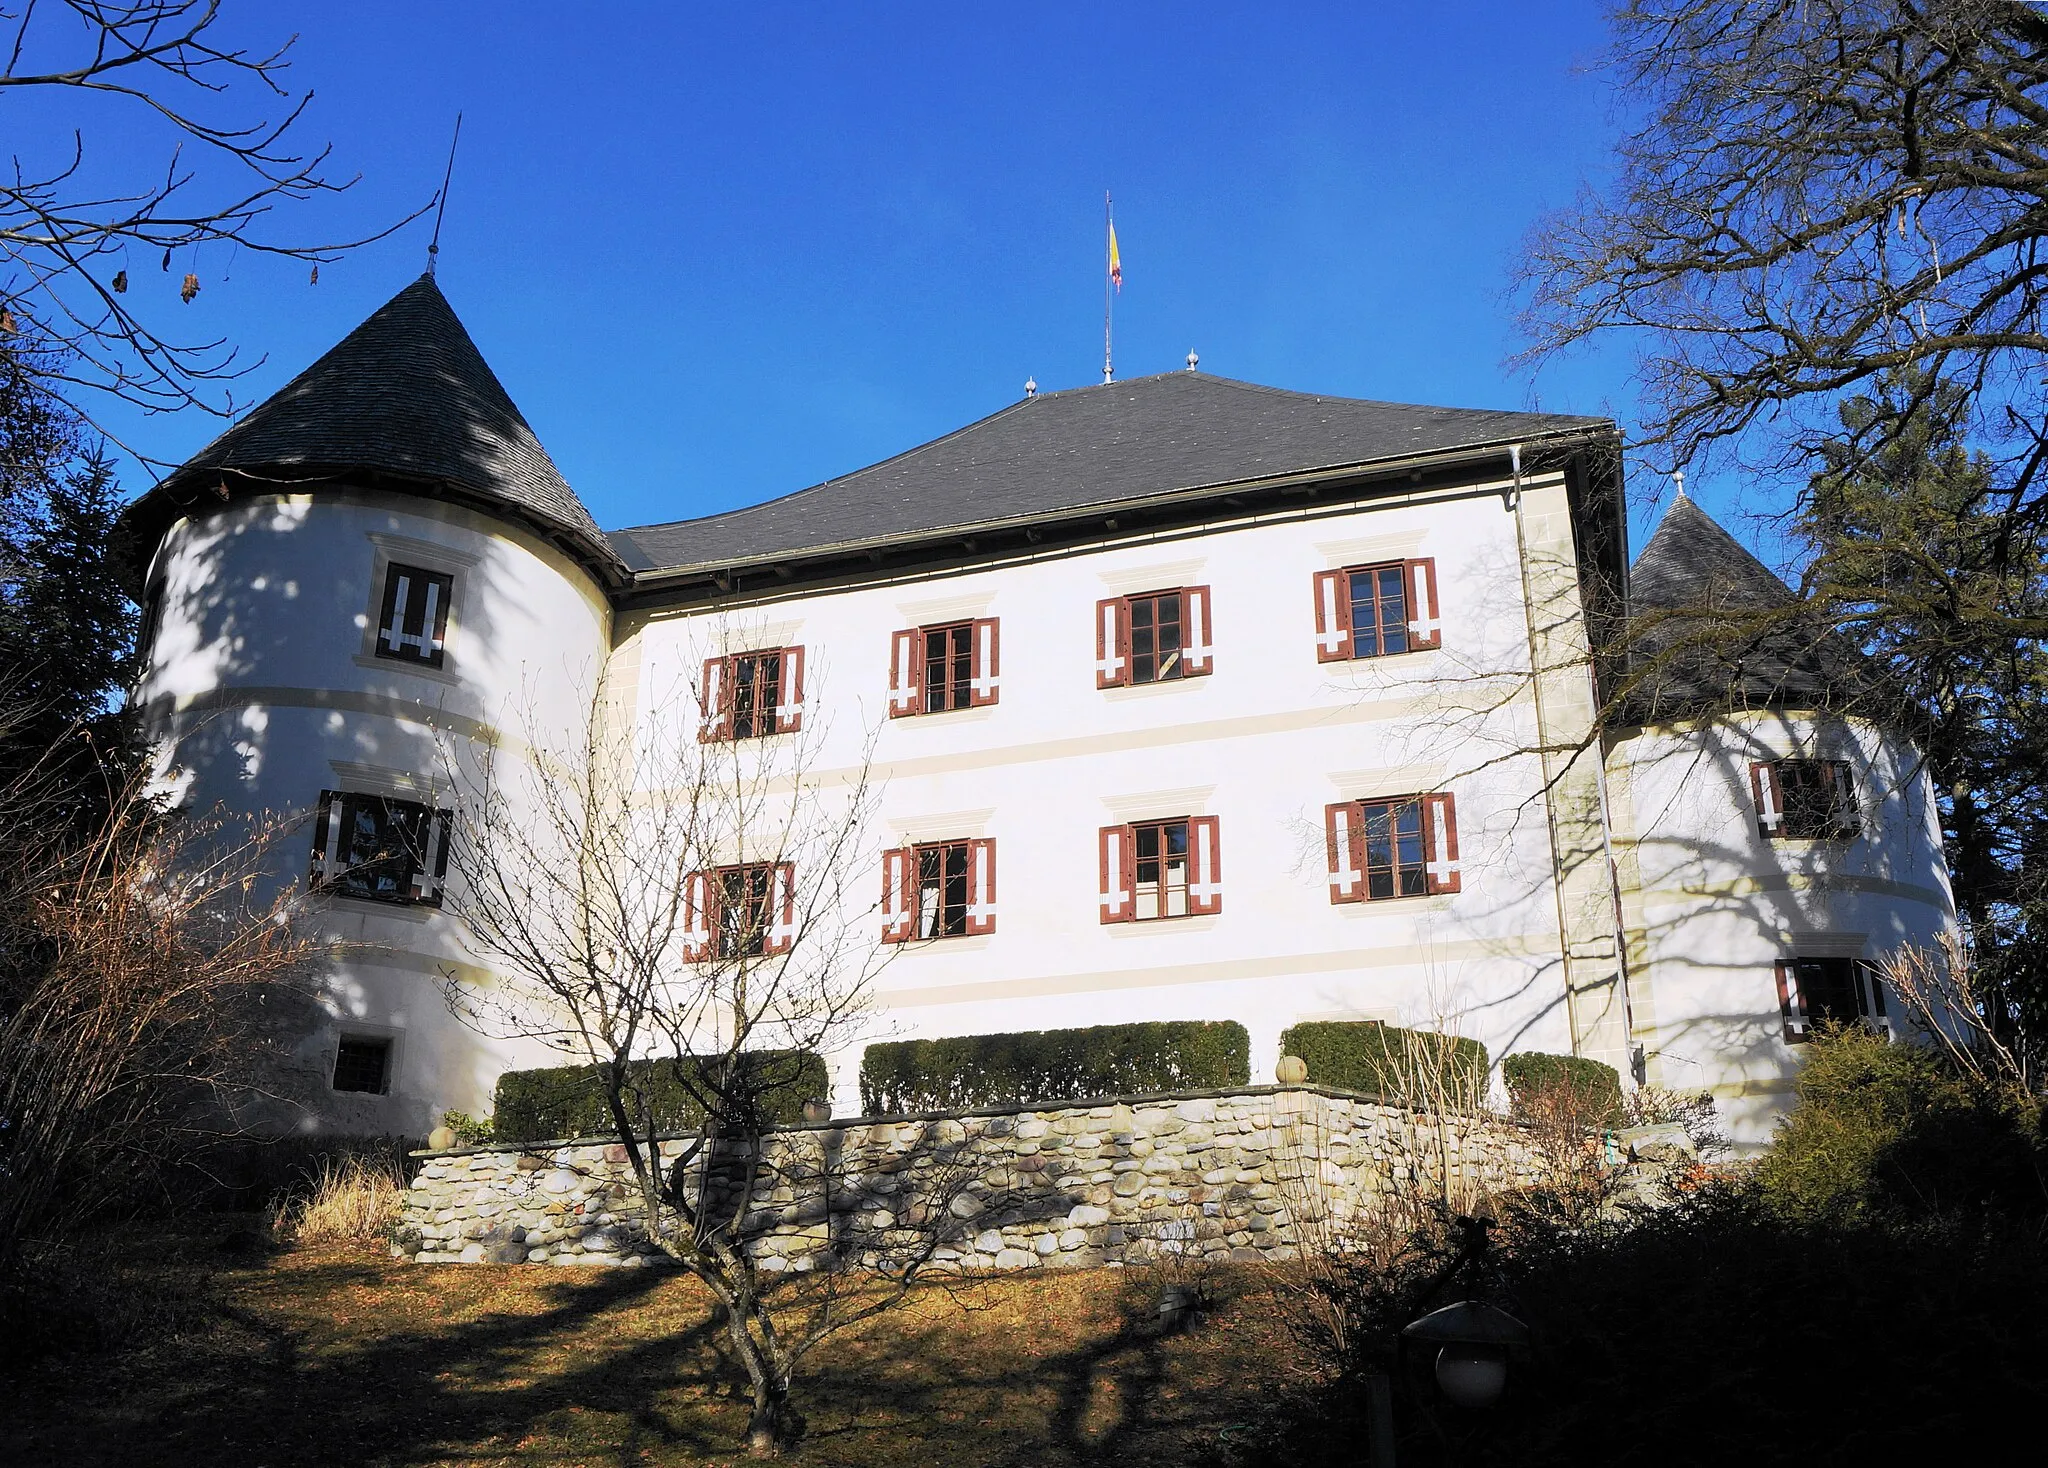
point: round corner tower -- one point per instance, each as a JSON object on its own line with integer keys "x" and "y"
{"x": 376, "y": 570}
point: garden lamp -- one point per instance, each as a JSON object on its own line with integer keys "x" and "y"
{"x": 1472, "y": 1341}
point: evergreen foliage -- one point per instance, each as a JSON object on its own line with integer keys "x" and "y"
{"x": 1531, "y": 1073}
{"x": 1033, "y": 1066}
{"x": 569, "y": 1100}
{"x": 1416, "y": 1067}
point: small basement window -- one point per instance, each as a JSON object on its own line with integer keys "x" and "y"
{"x": 362, "y": 1064}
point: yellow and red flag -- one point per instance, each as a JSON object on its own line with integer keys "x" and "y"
{"x": 1116, "y": 261}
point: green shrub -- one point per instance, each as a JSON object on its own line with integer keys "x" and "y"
{"x": 1594, "y": 1089}
{"x": 569, "y": 1100}
{"x": 1053, "y": 1065}
{"x": 470, "y": 1131}
{"x": 1417, "y": 1067}
{"x": 1881, "y": 1128}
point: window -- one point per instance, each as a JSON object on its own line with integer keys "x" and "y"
{"x": 1406, "y": 846}
{"x": 743, "y": 911}
{"x": 1813, "y": 990}
{"x": 939, "y": 889}
{"x": 1805, "y": 799}
{"x": 378, "y": 847}
{"x": 750, "y": 695}
{"x": 1154, "y": 638}
{"x": 413, "y": 625}
{"x": 933, "y": 670}
{"x": 361, "y": 1063}
{"x": 1376, "y": 611}
{"x": 1161, "y": 869}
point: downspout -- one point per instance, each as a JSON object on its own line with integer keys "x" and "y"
{"x": 1564, "y": 945}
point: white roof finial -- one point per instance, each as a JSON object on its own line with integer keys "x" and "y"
{"x": 1030, "y": 387}
{"x": 1192, "y": 360}
{"x": 1678, "y": 475}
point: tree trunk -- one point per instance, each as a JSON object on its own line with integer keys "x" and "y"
{"x": 767, "y": 1426}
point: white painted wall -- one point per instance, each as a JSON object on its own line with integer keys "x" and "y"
{"x": 1720, "y": 903}
{"x": 262, "y": 678}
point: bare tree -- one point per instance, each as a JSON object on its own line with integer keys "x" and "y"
{"x": 697, "y": 921}
{"x": 148, "y": 991}
{"x": 1948, "y": 1001}
{"x": 75, "y": 221}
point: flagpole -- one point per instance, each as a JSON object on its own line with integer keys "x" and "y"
{"x": 1108, "y": 294}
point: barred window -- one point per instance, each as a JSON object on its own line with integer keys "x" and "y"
{"x": 380, "y": 847}
{"x": 362, "y": 1063}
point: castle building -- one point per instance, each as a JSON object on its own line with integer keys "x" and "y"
{"x": 1186, "y": 699}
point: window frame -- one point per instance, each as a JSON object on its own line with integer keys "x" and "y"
{"x": 707, "y": 933}
{"x": 387, "y": 1048}
{"x": 426, "y": 874}
{"x": 718, "y": 713}
{"x": 1336, "y": 635}
{"x": 1115, "y": 635}
{"x": 389, "y": 637}
{"x": 1345, "y": 827}
{"x": 1840, "y": 821}
{"x": 903, "y": 916}
{"x": 1117, "y": 867}
{"x": 910, "y": 665}
{"x": 1860, "y": 980}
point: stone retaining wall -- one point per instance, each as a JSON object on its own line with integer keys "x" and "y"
{"x": 1234, "y": 1174}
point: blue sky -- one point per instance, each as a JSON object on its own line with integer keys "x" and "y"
{"x": 718, "y": 253}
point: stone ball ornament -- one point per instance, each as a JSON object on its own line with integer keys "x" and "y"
{"x": 1473, "y": 1340}
{"x": 440, "y": 1139}
{"x": 1291, "y": 1071}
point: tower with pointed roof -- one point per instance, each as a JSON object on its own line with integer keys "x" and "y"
{"x": 1090, "y": 640}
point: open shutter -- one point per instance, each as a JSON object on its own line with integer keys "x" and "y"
{"x": 1770, "y": 800}
{"x": 714, "y": 702}
{"x": 700, "y": 920}
{"x": 1112, "y": 643}
{"x": 782, "y": 920}
{"x": 981, "y": 885}
{"x": 1197, "y": 653}
{"x": 1205, "y": 869}
{"x": 1440, "y": 841}
{"x": 437, "y": 620}
{"x": 986, "y": 686}
{"x": 789, "y": 707}
{"x": 1790, "y": 1005}
{"x": 906, "y": 672}
{"x": 431, "y": 860}
{"x": 1345, "y": 840}
{"x": 1117, "y": 871}
{"x": 327, "y": 840}
{"x": 1333, "y": 616}
{"x": 1425, "y": 624}
{"x": 899, "y": 894}
{"x": 397, "y": 596}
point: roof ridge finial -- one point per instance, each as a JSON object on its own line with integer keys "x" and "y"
{"x": 434, "y": 245}
{"x": 1678, "y": 477}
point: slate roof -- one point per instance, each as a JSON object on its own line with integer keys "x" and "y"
{"x": 1083, "y": 448}
{"x": 1702, "y": 636}
{"x": 405, "y": 396}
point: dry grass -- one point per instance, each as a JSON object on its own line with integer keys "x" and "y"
{"x": 353, "y": 1200}
{"x": 335, "y": 1354}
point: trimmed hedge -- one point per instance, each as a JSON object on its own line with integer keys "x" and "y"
{"x": 1385, "y": 1060}
{"x": 568, "y": 1100}
{"x": 1031, "y": 1066}
{"x": 1530, "y": 1073}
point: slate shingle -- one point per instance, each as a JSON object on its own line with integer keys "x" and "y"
{"x": 1088, "y": 447}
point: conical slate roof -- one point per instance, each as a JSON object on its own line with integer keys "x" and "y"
{"x": 1083, "y": 449}
{"x": 404, "y": 400}
{"x": 1710, "y": 628}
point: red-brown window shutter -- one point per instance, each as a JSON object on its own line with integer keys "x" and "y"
{"x": 1118, "y": 869}
{"x": 700, "y": 918}
{"x": 781, "y": 935}
{"x": 1440, "y": 842}
{"x": 1198, "y": 647}
{"x": 1205, "y": 865}
{"x": 1425, "y": 625}
{"x": 986, "y": 685}
{"x": 1112, "y": 642}
{"x": 981, "y": 885}
{"x": 1344, "y": 836}
{"x": 906, "y": 673}
{"x": 899, "y": 894}
{"x": 789, "y": 705}
{"x": 1770, "y": 800}
{"x": 1333, "y": 616}
{"x": 1790, "y": 1007}
{"x": 714, "y": 701}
